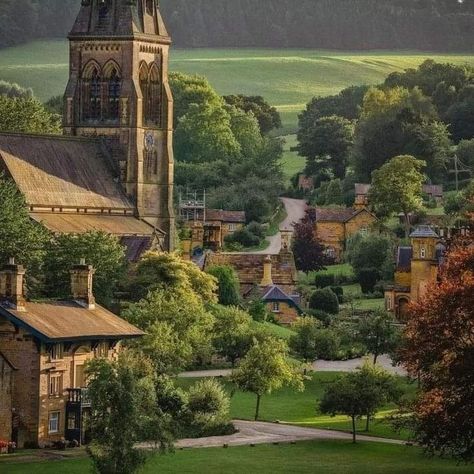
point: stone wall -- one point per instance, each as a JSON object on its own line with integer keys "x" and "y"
{"x": 6, "y": 394}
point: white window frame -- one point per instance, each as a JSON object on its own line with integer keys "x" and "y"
{"x": 54, "y": 418}
{"x": 233, "y": 227}
{"x": 422, "y": 252}
{"x": 55, "y": 385}
{"x": 275, "y": 307}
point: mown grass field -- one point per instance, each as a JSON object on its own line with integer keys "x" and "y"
{"x": 299, "y": 408}
{"x": 325, "y": 457}
{"x": 287, "y": 78}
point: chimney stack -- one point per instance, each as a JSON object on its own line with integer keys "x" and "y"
{"x": 12, "y": 277}
{"x": 81, "y": 284}
{"x": 267, "y": 279}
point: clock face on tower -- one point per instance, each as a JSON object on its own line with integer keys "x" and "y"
{"x": 149, "y": 141}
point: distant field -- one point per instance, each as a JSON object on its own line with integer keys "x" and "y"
{"x": 287, "y": 78}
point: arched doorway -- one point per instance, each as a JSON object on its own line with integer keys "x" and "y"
{"x": 402, "y": 309}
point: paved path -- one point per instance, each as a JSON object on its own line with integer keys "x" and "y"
{"x": 295, "y": 210}
{"x": 250, "y": 432}
{"x": 318, "y": 366}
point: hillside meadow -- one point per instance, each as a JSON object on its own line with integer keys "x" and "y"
{"x": 288, "y": 78}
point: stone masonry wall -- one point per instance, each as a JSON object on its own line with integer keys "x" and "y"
{"x": 6, "y": 394}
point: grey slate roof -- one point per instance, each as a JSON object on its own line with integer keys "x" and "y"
{"x": 424, "y": 231}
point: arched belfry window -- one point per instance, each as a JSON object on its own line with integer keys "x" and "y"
{"x": 143, "y": 74}
{"x": 112, "y": 90}
{"x": 104, "y": 10}
{"x": 155, "y": 96}
{"x": 91, "y": 93}
{"x": 149, "y": 7}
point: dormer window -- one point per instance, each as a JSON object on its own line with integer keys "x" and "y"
{"x": 422, "y": 252}
{"x": 56, "y": 352}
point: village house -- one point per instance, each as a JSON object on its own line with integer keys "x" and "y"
{"x": 333, "y": 226}
{"x": 416, "y": 268}
{"x": 113, "y": 169}
{"x": 45, "y": 346}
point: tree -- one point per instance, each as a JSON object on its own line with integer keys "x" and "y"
{"x": 359, "y": 394}
{"x": 438, "y": 349}
{"x": 268, "y": 117}
{"x": 397, "y": 187}
{"x": 122, "y": 397}
{"x": 324, "y": 300}
{"x": 334, "y": 193}
{"x": 103, "y": 251}
{"x": 161, "y": 270}
{"x": 232, "y": 334}
{"x": 266, "y": 368}
{"x": 26, "y": 115}
{"x": 205, "y": 134}
{"x": 308, "y": 252}
{"x": 14, "y": 90}
{"x": 328, "y": 140}
{"x": 304, "y": 342}
{"x": 228, "y": 282}
{"x": 396, "y": 122}
{"x": 377, "y": 331}
{"x": 20, "y": 237}
{"x": 178, "y": 328}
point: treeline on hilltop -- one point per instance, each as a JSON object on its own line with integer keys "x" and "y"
{"x": 438, "y": 25}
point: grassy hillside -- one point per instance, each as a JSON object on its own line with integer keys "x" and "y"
{"x": 287, "y": 78}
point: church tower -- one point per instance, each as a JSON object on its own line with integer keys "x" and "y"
{"x": 118, "y": 91}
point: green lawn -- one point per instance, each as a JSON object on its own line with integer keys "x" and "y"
{"x": 326, "y": 457}
{"x": 292, "y": 163}
{"x": 299, "y": 408}
{"x": 278, "y": 331}
{"x": 287, "y": 78}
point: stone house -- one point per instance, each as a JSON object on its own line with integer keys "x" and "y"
{"x": 49, "y": 343}
{"x": 7, "y": 370}
{"x": 113, "y": 170}
{"x": 416, "y": 268}
{"x": 333, "y": 226}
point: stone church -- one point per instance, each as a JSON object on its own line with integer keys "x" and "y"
{"x": 112, "y": 170}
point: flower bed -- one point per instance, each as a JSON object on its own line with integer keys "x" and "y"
{"x": 7, "y": 447}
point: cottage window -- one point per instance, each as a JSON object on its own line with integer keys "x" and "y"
{"x": 422, "y": 252}
{"x": 364, "y": 230}
{"x": 55, "y": 384}
{"x": 53, "y": 422}
{"x": 276, "y": 307}
{"x": 102, "y": 350}
{"x": 56, "y": 352}
{"x": 232, "y": 227}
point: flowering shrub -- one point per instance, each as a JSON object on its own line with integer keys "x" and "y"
{"x": 7, "y": 446}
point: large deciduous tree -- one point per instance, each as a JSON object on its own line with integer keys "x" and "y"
{"x": 327, "y": 141}
{"x": 439, "y": 349}
{"x": 397, "y": 187}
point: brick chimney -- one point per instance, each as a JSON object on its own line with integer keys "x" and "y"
{"x": 12, "y": 277}
{"x": 81, "y": 284}
{"x": 267, "y": 279}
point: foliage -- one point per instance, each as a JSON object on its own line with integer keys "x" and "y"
{"x": 232, "y": 333}
{"x": 178, "y": 327}
{"x": 244, "y": 237}
{"x": 228, "y": 283}
{"x": 26, "y": 115}
{"x": 358, "y": 394}
{"x": 326, "y": 143}
{"x": 267, "y": 116}
{"x": 208, "y": 405}
{"x": 160, "y": 270}
{"x": 20, "y": 237}
{"x": 399, "y": 122}
{"x": 303, "y": 343}
{"x": 103, "y": 251}
{"x": 14, "y": 90}
{"x": 397, "y": 187}
{"x": 325, "y": 300}
{"x": 377, "y": 331}
{"x": 438, "y": 348}
{"x": 308, "y": 252}
{"x": 265, "y": 369}
{"x": 323, "y": 280}
{"x": 368, "y": 278}
{"x": 123, "y": 401}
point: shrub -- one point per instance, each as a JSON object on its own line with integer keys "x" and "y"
{"x": 328, "y": 343}
{"x": 368, "y": 277}
{"x": 208, "y": 406}
{"x": 322, "y": 316}
{"x": 324, "y": 300}
{"x": 323, "y": 280}
{"x": 257, "y": 229}
{"x": 244, "y": 237}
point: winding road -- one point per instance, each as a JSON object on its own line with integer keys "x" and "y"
{"x": 295, "y": 210}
